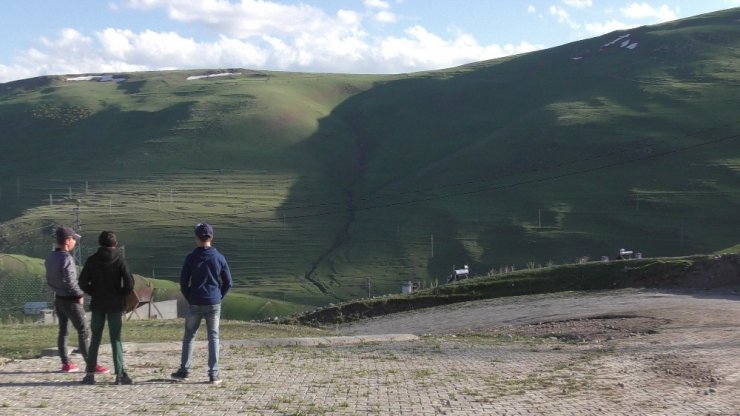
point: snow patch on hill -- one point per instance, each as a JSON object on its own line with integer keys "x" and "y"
{"x": 99, "y": 78}
{"x": 221, "y": 74}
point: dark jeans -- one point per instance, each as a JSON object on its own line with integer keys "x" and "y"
{"x": 70, "y": 311}
{"x": 97, "y": 324}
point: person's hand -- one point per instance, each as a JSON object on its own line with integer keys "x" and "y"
{"x": 81, "y": 300}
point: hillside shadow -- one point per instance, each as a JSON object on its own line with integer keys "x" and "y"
{"x": 26, "y": 84}
{"x": 420, "y": 141}
{"x": 131, "y": 87}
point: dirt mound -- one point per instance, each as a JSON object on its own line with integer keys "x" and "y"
{"x": 713, "y": 272}
{"x": 594, "y": 329}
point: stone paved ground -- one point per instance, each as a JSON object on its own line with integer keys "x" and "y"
{"x": 690, "y": 365}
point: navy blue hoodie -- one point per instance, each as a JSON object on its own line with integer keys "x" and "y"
{"x": 205, "y": 277}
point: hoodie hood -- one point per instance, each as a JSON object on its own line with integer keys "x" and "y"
{"x": 108, "y": 255}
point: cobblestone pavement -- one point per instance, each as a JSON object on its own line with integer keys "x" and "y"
{"x": 689, "y": 366}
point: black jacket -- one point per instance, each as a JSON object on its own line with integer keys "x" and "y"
{"x": 107, "y": 280}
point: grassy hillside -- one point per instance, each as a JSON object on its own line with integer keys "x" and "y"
{"x": 676, "y": 273}
{"x": 329, "y": 187}
{"x": 21, "y": 280}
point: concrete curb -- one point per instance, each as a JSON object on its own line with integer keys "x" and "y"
{"x": 133, "y": 347}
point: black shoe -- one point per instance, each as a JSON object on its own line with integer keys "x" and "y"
{"x": 180, "y": 375}
{"x": 88, "y": 379}
{"x": 123, "y": 379}
{"x": 214, "y": 379}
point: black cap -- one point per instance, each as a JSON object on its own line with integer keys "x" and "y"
{"x": 64, "y": 233}
{"x": 204, "y": 231}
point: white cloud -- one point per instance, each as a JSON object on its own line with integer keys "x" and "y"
{"x": 578, "y": 3}
{"x": 605, "y": 27}
{"x": 385, "y": 16}
{"x": 563, "y": 16}
{"x": 531, "y": 9}
{"x": 646, "y": 11}
{"x": 348, "y": 17}
{"x": 248, "y": 18}
{"x": 377, "y": 4}
{"x": 421, "y": 50}
{"x": 70, "y": 53}
{"x": 67, "y": 38}
{"x": 255, "y": 34}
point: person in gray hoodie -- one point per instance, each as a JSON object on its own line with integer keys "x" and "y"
{"x": 106, "y": 278}
{"x": 61, "y": 276}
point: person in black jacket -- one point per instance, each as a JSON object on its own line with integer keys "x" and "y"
{"x": 106, "y": 278}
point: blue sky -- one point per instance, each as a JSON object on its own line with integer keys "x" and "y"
{"x": 52, "y": 37}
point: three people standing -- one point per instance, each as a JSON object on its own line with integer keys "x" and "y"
{"x": 205, "y": 279}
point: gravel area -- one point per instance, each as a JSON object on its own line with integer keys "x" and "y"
{"x": 615, "y": 353}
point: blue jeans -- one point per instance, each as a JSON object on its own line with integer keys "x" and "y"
{"x": 212, "y": 314}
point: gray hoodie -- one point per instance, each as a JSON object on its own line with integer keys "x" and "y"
{"x": 61, "y": 274}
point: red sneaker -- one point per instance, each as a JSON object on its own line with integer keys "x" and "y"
{"x": 70, "y": 368}
{"x": 99, "y": 369}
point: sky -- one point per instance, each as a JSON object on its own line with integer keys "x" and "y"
{"x": 55, "y": 37}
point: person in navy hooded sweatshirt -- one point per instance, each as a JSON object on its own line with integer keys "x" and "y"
{"x": 204, "y": 281}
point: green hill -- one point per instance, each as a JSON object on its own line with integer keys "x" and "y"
{"x": 716, "y": 273}
{"x": 326, "y": 187}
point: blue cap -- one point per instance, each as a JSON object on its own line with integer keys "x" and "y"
{"x": 204, "y": 230}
